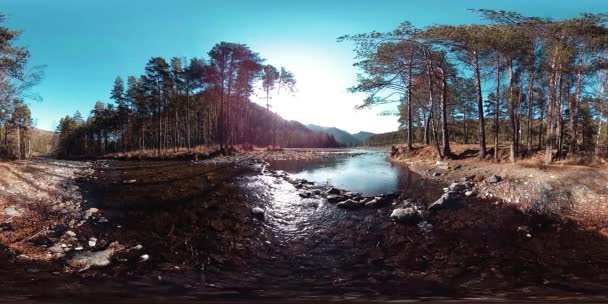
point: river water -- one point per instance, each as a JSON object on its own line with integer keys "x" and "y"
{"x": 365, "y": 171}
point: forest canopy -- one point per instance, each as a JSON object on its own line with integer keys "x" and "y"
{"x": 540, "y": 81}
{"x": 183, "y": 103}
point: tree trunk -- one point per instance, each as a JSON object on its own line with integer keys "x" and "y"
{"x": 444, "y": 117}
{"x": 599, "y": 135}
{"x": 430, "y": 83}
{"x": 19, "y": 154}
{"x": 550, "y": 109}
{"x": 482, "y": 131}
{"x": 530, "y": 104}
{"x": 574, "y": 102}
{"x": 409, "y": 103}
{"x": 497, "y": 108}
{"x": 510, "y": 101}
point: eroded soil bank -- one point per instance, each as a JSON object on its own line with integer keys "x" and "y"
{"x": 186, "y": 231}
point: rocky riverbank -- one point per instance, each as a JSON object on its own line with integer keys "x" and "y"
{"x": 566, "y": 188}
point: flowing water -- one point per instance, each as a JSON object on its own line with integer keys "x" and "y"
{"x": 366, "y": 171}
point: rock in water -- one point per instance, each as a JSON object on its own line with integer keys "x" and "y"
{"x": 372, "y": 203}
{"x": 349, "y": 204}
{"x": 494, "y": 179}
{"x": 334, "y": 198}
{"x": 332, "y": 191}
{"x": 258, "y": 212}
{"x": 89, "y": 259}
{"x": 405, "y": 215}
{"x": 449, "y": 200}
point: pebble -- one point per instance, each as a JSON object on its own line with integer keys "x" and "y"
{"x": 494, "y": 179}
{"x": 144, "y": 257}
{"x": 13, "y": 211}
{"x": 56, "y": 249}
{"x": 257, "y": 212}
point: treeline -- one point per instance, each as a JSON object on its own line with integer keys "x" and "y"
{"x": 180, "y": 104}
{"x": 527, "y": 82}
{"x": 15, "y": 80}
{"x": 383, "y": 139}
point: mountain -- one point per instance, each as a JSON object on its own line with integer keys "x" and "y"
{"x": 363, "y": 136}
{"x": 341, "y": 136}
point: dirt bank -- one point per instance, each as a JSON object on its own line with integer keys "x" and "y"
{"x": 572, "y": 187}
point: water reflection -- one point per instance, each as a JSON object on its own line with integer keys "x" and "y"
{"x": 368, "y": 172}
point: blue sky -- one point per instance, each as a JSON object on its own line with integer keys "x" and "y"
{"x": 85, "y": 44}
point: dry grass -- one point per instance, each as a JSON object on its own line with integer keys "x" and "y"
{"x": 153, "y": 153}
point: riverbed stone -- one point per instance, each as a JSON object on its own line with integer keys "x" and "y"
{"x": 89, "y": 259}
{"x": 56, "y": 249}
{"x": 333, "y": 191}
{"x": 373, "y": 203}
{"x": 258, "y": 212}
{"x": 450, "y": 200}
{"x": 494, "y": 179}
{"x": 305, "y": 194}
{"x": 334, "y": 198}
{"x": 458, "y": 187}
{"x": 406, "y": 215}
{"x": 349, "y": 204}
{"x": 13, "y": 211}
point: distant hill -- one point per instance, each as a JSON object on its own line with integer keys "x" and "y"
{"x": 389, "y": 138}
{"x": 341, "y": 136}
{"x": 363, "y": 136}
{"x": 42, "y": 142}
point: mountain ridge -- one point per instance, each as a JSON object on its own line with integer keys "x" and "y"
{"x": 342, "y": 137}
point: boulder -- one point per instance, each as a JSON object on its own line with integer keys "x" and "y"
{"x": 450, "y": 200}
{"x": 494, "y": 179}
{"x": 406, "y": 215}
{"x": 305, "y": 194}
{"x": 334, "y": 198}
{"x": 56, "y": 249}
{"x": 349, "y": 204}
{"x": 457, "y": 187}
{"x": 372, "y": 203}
{"x": 333, "y": 191}
{"x": 88, "y": 259}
